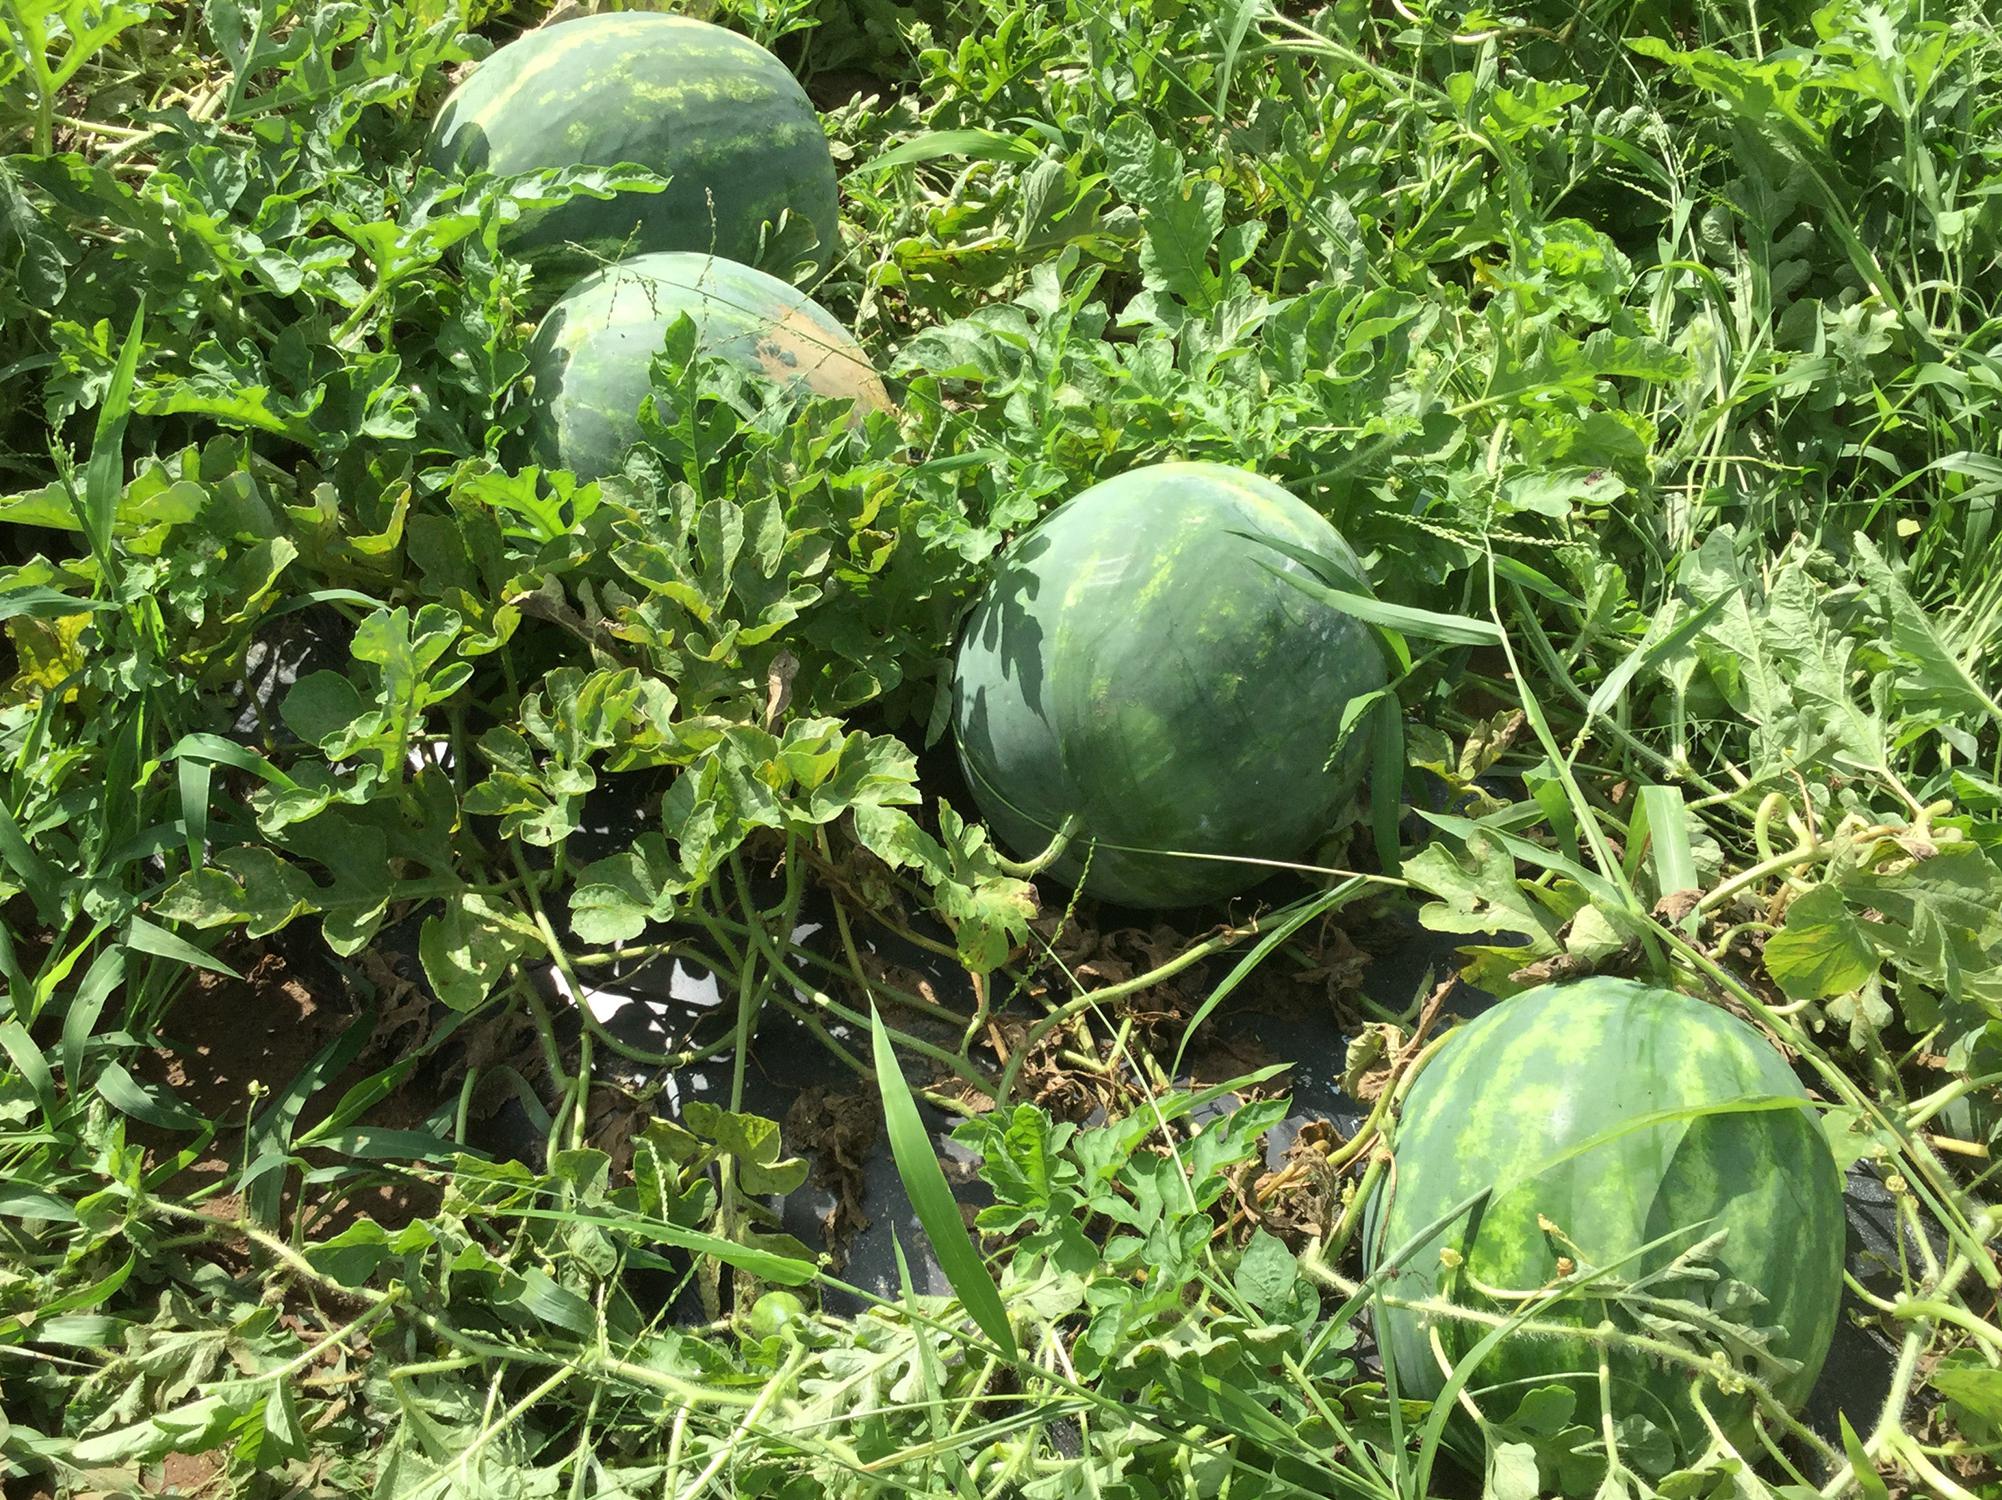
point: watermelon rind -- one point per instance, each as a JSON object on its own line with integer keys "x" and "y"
{"x": 711, "y": 111}
{"x": 1565, "y": 1066}
{"x": 589, "y": 364}
{"x": 1138, "y": 670}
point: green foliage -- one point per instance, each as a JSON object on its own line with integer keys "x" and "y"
{"x": 1652, "y": 353}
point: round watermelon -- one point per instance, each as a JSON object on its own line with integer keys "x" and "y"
{"x": 711, "y": 111}
{"x": 1543, "y": 1100}
{"x": 1138, "y": 669}
{"x": 590, "y": 359}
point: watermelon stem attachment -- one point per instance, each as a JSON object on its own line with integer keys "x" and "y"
{"x": 1025, "y": 869}
{"x": 1352, "y": 1214}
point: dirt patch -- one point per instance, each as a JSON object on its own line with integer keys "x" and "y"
{"x": 189, "y": 1473}
{"x": 224, "y": 1037}
{"x": 228, "y": 1045}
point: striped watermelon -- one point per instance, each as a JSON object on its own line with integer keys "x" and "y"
{"x": 590, "y": 359}
{"x": 712, "y": 111}
{"x": 1557, "y": 1067}
{"x": 1136, "y": 664}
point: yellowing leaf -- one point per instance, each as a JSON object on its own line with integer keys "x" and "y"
{"x": 49, "y": 654}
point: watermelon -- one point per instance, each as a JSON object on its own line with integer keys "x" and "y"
{"x": 590, "y": 359}
{"x": 1566, "y": 1064}
{"x": 1137, "y": 668}
{"x": 712, "y": 111}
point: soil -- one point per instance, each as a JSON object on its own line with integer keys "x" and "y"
{"x": 224, "y": 1039}
{"x": 190, "y": 1473}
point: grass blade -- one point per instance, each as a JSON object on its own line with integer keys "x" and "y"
{"x": 1241, "y": 970}
{"x": 194, "y": 782}
{"x": 971, "y": 143}
{"x": 104, "y": 474}
{"x": 1386, "y": 784}
{"x": 268, "y": 1140}
{"x": 1667, "y": 822}
{"x": 932, "y": 1198}
{"x": 1646, "y": 654}
{"x": 31, "y": 1066}
{"x": 46, "y": 603}
{"x": 37, "y": 876}
{"x": 215, "y": 750}
{"x": 1399, "y": 619}
{"x": 143, "y": 936}
{"x": 105, "y": 974}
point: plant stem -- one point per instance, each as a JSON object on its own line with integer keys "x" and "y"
{"x": 1607, "y": 1336}
{"x": 1106, "y": 994}
{"x": 1924, "y": 1109}
{"x": 1890, "y": 1418}
{"x": 34, "y": 48}
{"x": 1945, "y": 1312}
{"x": 726, "y": 1450}
{"x": 1024, "y": 869}
{"x": 1910, "y": 1452}
{"x": 449, "y": 1477}
{"x": 873, "y": 987}
{"x": 1753, "y": 874}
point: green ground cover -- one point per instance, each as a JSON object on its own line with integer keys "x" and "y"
{"x": 1648, "y": 356}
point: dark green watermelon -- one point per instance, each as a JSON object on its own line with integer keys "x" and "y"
{"x": 589, "y": 360}
{"x": 1546, "y": 1072}
{"x": 712, "y": 111}
{"x": 1136, "y": 664}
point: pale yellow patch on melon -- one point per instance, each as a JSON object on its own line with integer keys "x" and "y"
{"x": 1154, "y": 588}
{"x": 795, "y": 345}
{"x": 1100, "y": 572}
{"x": 1572, "y": 1044}
{"x": 573, "y": 335}
{"x": 1191, "y": 531}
